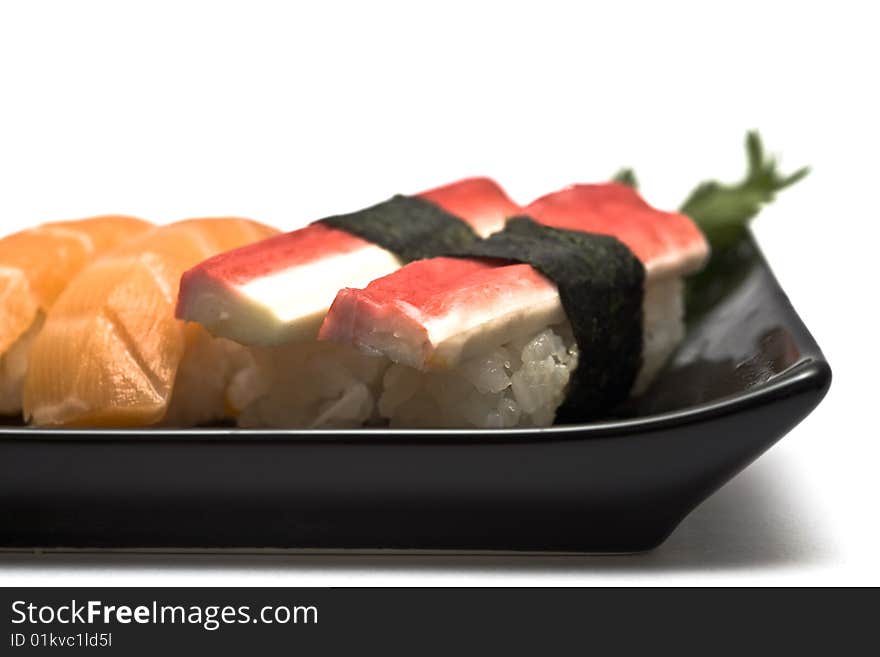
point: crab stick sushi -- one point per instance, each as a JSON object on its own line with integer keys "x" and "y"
{"x": 111, "y": 353}
{"x": 277, "y": 291}
{"x": 272, "y": 296}
{"x": 35, "y": 266}
{"x": 486, "y": 343}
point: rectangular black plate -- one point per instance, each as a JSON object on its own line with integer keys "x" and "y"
{"x": 746, "y": 374}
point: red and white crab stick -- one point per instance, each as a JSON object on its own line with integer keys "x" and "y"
{"x": 435, "y": 313}
{"x": 278, "y": 290}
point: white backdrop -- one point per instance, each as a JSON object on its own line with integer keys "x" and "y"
{"x": 174, "y": 109}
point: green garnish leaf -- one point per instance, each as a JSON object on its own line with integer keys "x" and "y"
{"x": 626, "y": 177}
{"x": 724, "y": 211}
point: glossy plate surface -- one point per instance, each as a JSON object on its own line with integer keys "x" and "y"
{"x": 747, "y": 373}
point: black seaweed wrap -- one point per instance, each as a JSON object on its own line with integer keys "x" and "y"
{"x": 408, "y": 226}
{"x": 601, "y": 286}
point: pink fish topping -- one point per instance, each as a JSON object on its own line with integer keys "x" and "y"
{"x": 434, "y": 313}
{"x": 663, "y": 241}
{"x": 278, "y": 290}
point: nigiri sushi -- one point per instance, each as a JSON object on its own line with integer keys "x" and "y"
{"x": 273, "y": 295}
{"x": 485, "y": 344}
{"x": 111, "y": 353}
{"x": 35, "y": 266}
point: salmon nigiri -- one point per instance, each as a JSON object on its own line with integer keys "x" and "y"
{"x": 35, "y": 266}
{"x": 111, "y": 353}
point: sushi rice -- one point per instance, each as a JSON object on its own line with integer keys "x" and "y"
{"x": 519, "y": 383}
{"x": 203, "y": 378}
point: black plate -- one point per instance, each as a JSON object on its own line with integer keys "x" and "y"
{"x": 746, "y": 374}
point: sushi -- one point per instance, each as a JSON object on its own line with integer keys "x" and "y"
{"x": 451, "y": 308}
{"x": 35, "y": 266}
{"x": 277, "y": 291}
{"x": 273, "y": 295}
{"x": 481, "y": 343}
{"x": 111, "y": 353}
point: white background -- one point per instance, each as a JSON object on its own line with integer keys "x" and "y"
{"x": 170, "y": 110}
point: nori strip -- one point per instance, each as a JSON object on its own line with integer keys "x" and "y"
{"x": 410, "y": 227}
{"x": 601, "y": 286}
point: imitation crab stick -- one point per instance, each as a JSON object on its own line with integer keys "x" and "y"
{"x": 665, "y": 242}
{"x": 278, "y": 290}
